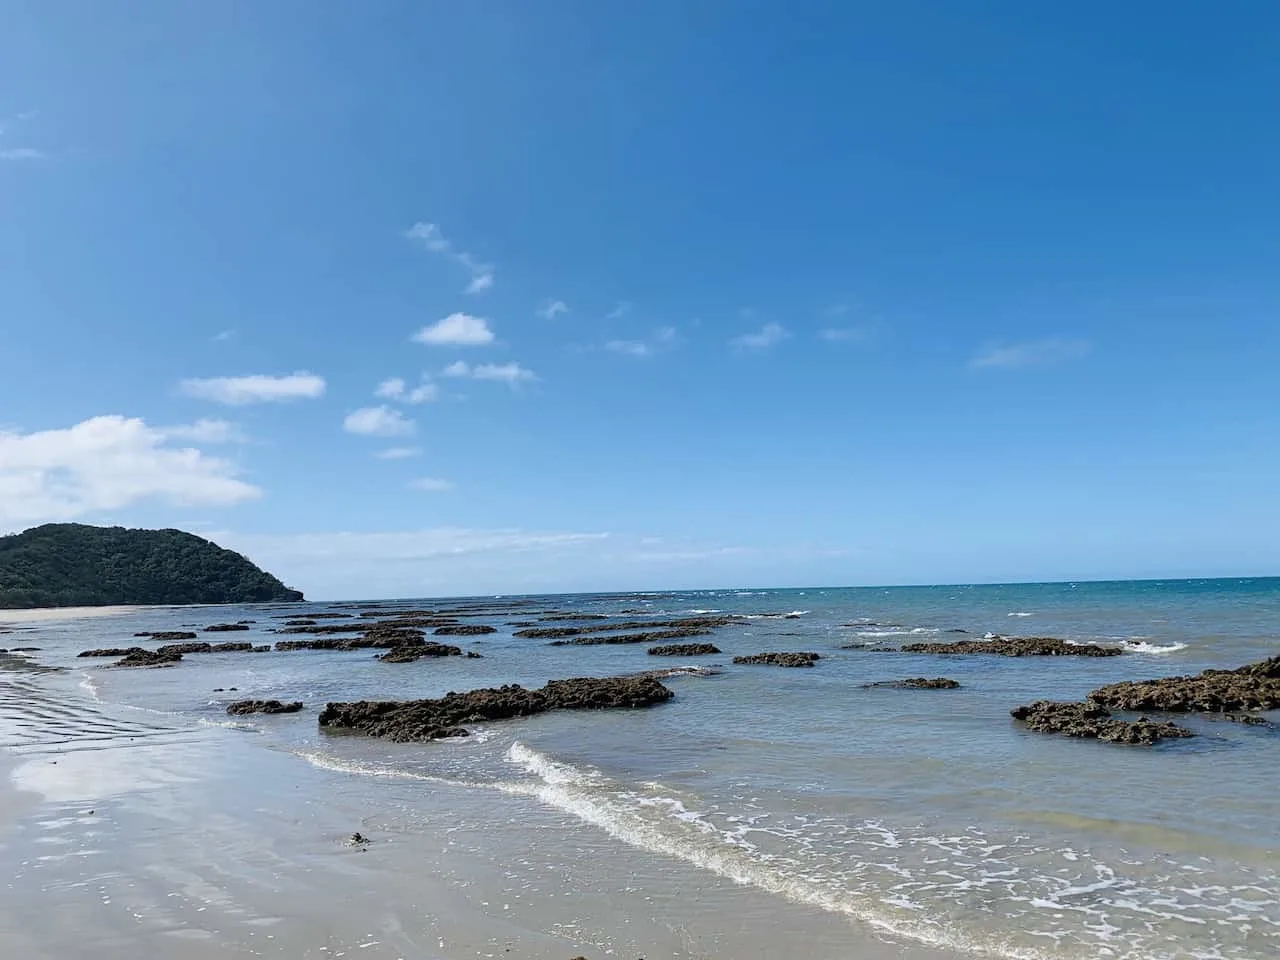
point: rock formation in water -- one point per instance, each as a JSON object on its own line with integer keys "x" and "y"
{"x": 684, "y": 650}
{"x": 1089, "y": 720}
{"x": 916, "y": 683}
{"x": 244, "y": 707}
{"x": 435, "y": 719}
{"x": 780, "y": 659}
{"x": 1255, "y": 686}
{"x": 1010, "y": 647}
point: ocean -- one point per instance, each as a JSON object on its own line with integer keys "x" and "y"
{"x": 916, "y": 819}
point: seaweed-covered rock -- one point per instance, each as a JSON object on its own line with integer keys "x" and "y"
{"x": 262, "y": 648}
{"x": 196, "y": 646}
{"x": 1014, "y": 647}
{"x": 418, "y": 651}
{"x": 691, "y": 623}
{"x": 167, "y": 635}
{"x": 243, "y": 707}
{"x": 234, "y": 646}
{"x": 1089, "y": 720}
{"x": 595, "y": 640}
{"x": 683, "y": 650}
{"x": 435, "y": 719}
{"x": 148, "y": 658}
{"x": 110, "y": 652}
{"x": 917, "y": 683}
{"x": 225, "y": 627}
{"x": 325, "y": 628}
{"x": 1255, "y": 686}
{"x": 464, "y": 630}
{"x": 780, "y": 659}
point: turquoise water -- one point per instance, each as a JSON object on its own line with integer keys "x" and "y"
{"x": 928, "y": 815}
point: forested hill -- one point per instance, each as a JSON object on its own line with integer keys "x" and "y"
{"x": 76, "y": 565}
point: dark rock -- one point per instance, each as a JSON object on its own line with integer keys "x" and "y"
{"x": 464, "y": 630}
{"x": 327, "y": 628}
{"x": 916, "y": 683}
{"x": 409, "y": 654}
{"x": 167, "y": 635}
{"x": 246, "y": 621}
{"x": 664, "y": 673}
{"x": 780, "y": 659}
{"x": 242, "y": 707}
{"x": 358, "y": 839}
{"x": 264, "y": 648}
{"x": 433, "y": 719}
{"x": 299, "y": 623}
{"x": 1089, "y": 720}
{"x": 1255, "y": 686}
{"x": 392, "y": 612}
{"x": 148, "y": 658}
{"x": 1014, "y": 647}
{"x": 25, "y": 649}
{"x": 522, "y": 623}
{"x": 301, "y": 615}
{"x": 1249, "y": 719}
{"x": 553, "y": 617}
{"x": 649, "y": 637}
{"x": 225, "y": 627}
{"x": 684, "y": 650}
{"x": 195, "y": 646}
{"x": 955, "y": 630}
{"x": 692, "y": 623}
{"x": 233, "y": 647}
{"x": 110, "y": 652}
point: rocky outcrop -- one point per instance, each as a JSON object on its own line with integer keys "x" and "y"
{"x": 916, "y": 683}
{"x": 417, "y": 652}
{"x": 554, "y": 617}
{"x": 307, "y": 615}
{"x": 326, "y": 628}
{"x": 244, "y": 707}
{"x": 684, "y": 650}
{"x": 691, "y": 623}
{"x": 1091, "y": 721}
{"x": 231, "y": 647}
{"x": 195, "y": 646}
{"x": 225, "y": 627}
{"x": 416, "y": 720}
{"x": 148, "y": 658}
{"x": 110, "y": 652}
{"x": 650, "y": 637}
{"x": 1255, "y": 686}
{"x": 263, "y": 648}
{"x": 464, "y": 630}
{"x": 780, "y": 659}
{"x": 167, "y": 636}
{"x": 1012, "y": 647}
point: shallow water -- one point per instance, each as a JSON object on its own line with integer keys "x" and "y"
{"x": 925, "y": 814}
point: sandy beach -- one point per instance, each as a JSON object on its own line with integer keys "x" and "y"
{"x": 126, "y": 833}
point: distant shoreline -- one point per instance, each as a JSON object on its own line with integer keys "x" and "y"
{"x": 47, "y": 614}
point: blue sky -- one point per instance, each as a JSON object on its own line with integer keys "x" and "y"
{"x": 418, "y": 298}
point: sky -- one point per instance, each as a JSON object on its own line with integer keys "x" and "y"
{"x": 430, "y": 298}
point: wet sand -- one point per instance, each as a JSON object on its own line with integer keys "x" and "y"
{"x": 53, "y": 614}
{"x": 125, "y": 833}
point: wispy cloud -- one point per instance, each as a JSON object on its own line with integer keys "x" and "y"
{"x": 223, "y": 336}
{"x": 663, "y": 338}
{"x": 457, "y": 330}
{"x": 396, "y": 389}
{"x": 108, "y": 463}
{"x": 431, "y": 484}
{"x": 770, "y": 335}
{"x": 511, "y": 373}
{"x": 1031, "y": 353}
{"x": 398, "y": 453}
{"x": 552, "y": 309}
{"x": 206, "y": 430}
{"x": 381, "y": 421}
{"x": 22, "y": 153}
{"x": 620, "y": 310}
{"x": 256, "y": 388}
{"x": 844, "y": 334}
{"x": 429, "y": 235}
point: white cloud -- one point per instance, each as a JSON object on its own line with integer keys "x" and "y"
{"x": 423, "y": 393}
{"x": 767, "y": 336}
{"x": 663, "y": 338}
{"x": 22, "y": 153}
{"x": 620, "y": 310}
{"x": 390, "y": 389}
{"x": 398, "y": 453}
{"x": 457, "y": 330}
{"x": 552, "y": 309}
{"x": 1031, "y": 353}
{"x": 224, "y": 336}
{"x": 431, "y": 484}
{"x": 429, "y": 235}
{"x": 511, "y": 373}
{"x": 379, "y": 421}
{"x": 206, "y": 431}
{"x": 632, "y": 348}
{"x": 107, "y": 463}
{"x": 239, "y": 391}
